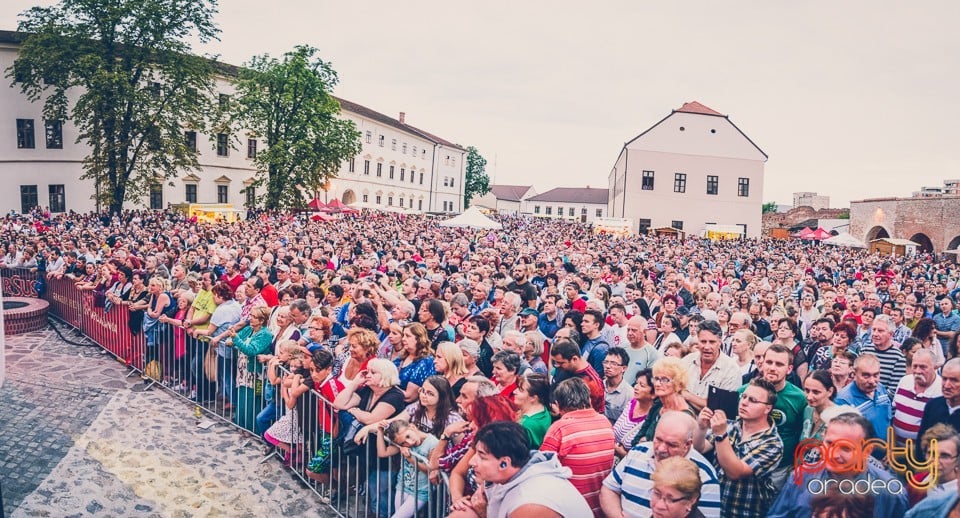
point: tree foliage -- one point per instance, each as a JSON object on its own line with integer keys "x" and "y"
{"x": 477, "y": 183}
{"x": 123, "y": 73}
{"x": 768, "y": 207}
{"x": 287, "y": 102}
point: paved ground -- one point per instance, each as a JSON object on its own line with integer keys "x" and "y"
{"x": 77, "y": 438}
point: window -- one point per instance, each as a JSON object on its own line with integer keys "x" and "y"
{"x": 402, "y": 172}
{"x": 369, "y": 137}
{"x": 222, "y": 149}
{"x": 680, "y": 182}
{"x": 251, "y": 148}
{"x": 451, "y": 181}
{"x": 353, "y": 165}
{"x": 366, "y": 167}
{"x": 58, "y": 198}
{"x": 559, "y": 211}
{"x": 411, "y": 176}
{"x": 599, "y": 213}
{"x": 536, "y": 209}
{"x": 366, "y": 198}
{"x": 393, "y": 144}
{"x": 644, "y": 226}
{"x": 54, "y": 133}
{"x": 549, "y": 211}
{"x": 445, "y": 181}
{"x": 570, "y": 212}
{"x": 419, "y": 204}
{"x": 251, "y": 194}
{"x": 583, "y": 212}
{"x": 156, "y": 196}
{"x": 401, "y": 203}
{"x": 190, "y": 138}
{"x": 382, "y": 140}
{"x": 379, "y": 200}
{"x": 389, "y": 201}
{"x": 191, "y": 193}
{"x": 222, "y": 194}
{"x": 421, "y": 178}
{"x": 647, "y": 181}
{"x": 379, "y": 169}
{"x": 743, "y": 187}
{"x": 712, "y": 184}
{"x": 423, "y": 153}
{"x": 404, "y": 151}
{"x": 155, "y": 89}
{"x": 28, "y": 198}
{"x": 414, "y": 151}
{"x": 223, "y": 100}
{"x": 676, "y": 224}
{"x": 391, "y": 172}
{"x": 25, "y": 134}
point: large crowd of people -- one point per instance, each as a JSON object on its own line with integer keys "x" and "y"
{"x": 546, "y": 369}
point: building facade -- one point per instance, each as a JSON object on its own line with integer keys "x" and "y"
{"x": 811, "y": 199}
{"x": 400, "y": 167}
{"x": 933, "y": 222}
{"x": 506, "y": 199}
{"x": 691, "y": 169}
{"x": 570, "y": 203}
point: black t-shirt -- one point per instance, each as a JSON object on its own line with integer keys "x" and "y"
{"x": 437, "y": 336}
{"x": 527, "y": 292}
{"x": 392, "y": 397}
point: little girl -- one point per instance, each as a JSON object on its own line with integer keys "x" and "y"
{"x": 413, "y": 484}
{"x": 286, "y": 433}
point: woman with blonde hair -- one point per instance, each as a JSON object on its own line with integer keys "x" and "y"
{"x": 742, "y": 349}
{"x": 448, "y": 362}
{"x": 669, "y": 381}
{"x": 361, "y": 348}
{"x": 416, "y": 362}
{"x": 676, "y": 489}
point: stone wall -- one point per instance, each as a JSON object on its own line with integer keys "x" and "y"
{"x": 773, "y": 220}
{"x": 938, "y": 219}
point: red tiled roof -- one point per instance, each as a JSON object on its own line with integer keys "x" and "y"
{"x": 509, "y": 192}
{"x": 695, "y": 107}
{"x": 574, "y": 195}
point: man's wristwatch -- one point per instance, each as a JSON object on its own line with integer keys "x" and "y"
{"x": 444, "y": 437}
{"x": 721, "y": 437}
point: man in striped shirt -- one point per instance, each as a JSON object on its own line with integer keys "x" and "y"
{"x": 626, "y": 491}
{"x": 912, "y": 395}
{"x": 893, "y": 365}
{"x": 582, "y": 439}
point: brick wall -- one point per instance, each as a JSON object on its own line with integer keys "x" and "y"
{"x": 936, "y": 218}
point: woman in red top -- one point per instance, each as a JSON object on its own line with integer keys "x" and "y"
{"x": 506, "y": 370}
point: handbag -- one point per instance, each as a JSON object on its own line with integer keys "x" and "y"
{"x": 210, "y": 364}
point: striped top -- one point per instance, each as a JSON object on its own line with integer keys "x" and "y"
{"x": 908, "y": 406}
{"x": 583, "y": 441}
{"x": 893, "y": 366}
{"x": 631, "y": 480}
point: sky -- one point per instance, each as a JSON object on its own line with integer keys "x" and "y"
{"x": 853, "y": 99}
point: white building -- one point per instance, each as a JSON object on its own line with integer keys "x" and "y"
{"x": 692, "y": 169}
{"x": 506, "y": 199}
{"x": 572, "y": 203}
{"x": 399, "y": 166}
{"x": 811, "y": 199}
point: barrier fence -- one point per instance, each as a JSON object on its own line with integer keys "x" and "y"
{"x": 232, "y": 387}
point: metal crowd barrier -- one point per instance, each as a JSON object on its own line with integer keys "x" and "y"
{"x": 351, "y": 481}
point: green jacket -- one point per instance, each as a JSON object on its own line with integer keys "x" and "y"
{"x": 253, "y": 344}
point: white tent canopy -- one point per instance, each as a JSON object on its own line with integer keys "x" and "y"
{"x": 471, "y": 217}
{"x": 844, "y": 239}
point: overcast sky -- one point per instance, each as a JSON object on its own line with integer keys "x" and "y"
{"x": 852, "y": 99}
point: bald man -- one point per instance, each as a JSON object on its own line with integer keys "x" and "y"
{"x": 642, "y": 353}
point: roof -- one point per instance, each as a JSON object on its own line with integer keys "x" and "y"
{"x": 359, "y": 109}
{"x": 699, "y": 109}
{"x": 233, "y": 70}
{"x": 896, "y": 241}
{"x": 574, "y": 195}
{"x": 695, "y": 107}
{"x": 509, "y": 192}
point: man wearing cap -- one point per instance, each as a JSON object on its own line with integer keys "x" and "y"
{"x": 528, "y": 323}
{"x": 283, "y": 277}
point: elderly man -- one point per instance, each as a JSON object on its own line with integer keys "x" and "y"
{"x": 642, "y": 353}
{"x": 849, "y": 428}
{"x": 510, "y": 318}
{"x": 738, "y": 321}
{"x": 893, "y": 365}
{"x": 867, "y": 394}
{"x": 627, "y": 490}
{"x": 582, "y": 438}
{"x": 709, "y": 367}
{"x": 913, "y": 393}
{"x": 747, "y": 450}
{"x": 944, "y": 409}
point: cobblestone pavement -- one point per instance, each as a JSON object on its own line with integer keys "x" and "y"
{"x": 78, "y": 438}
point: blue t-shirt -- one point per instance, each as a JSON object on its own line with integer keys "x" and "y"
{"x": 417, "y": 372}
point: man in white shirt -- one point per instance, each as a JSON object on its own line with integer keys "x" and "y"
{"x": 709, "y": 366}
{"x": 913, "y": 393}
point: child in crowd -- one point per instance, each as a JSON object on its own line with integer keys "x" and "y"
{"x": 413, "y": 484}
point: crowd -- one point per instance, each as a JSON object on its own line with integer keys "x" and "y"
{"x": 547, "y": 369}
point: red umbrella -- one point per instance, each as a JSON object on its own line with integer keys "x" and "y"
{"x": 806, "y": 233}
{"x": 819, "y": 234}
{"x": 316, "y": 204}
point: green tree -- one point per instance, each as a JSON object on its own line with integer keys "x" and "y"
{"x": 287, "y": 102}
{"x": 769, "y": 207}
{"x": 134, "y": 85}
{"x": 477, "y": 183}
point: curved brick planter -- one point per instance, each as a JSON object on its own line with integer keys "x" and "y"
{"x": 31, "y": 316}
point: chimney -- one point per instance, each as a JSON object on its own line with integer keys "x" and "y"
{"x": 402, "y": 117}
